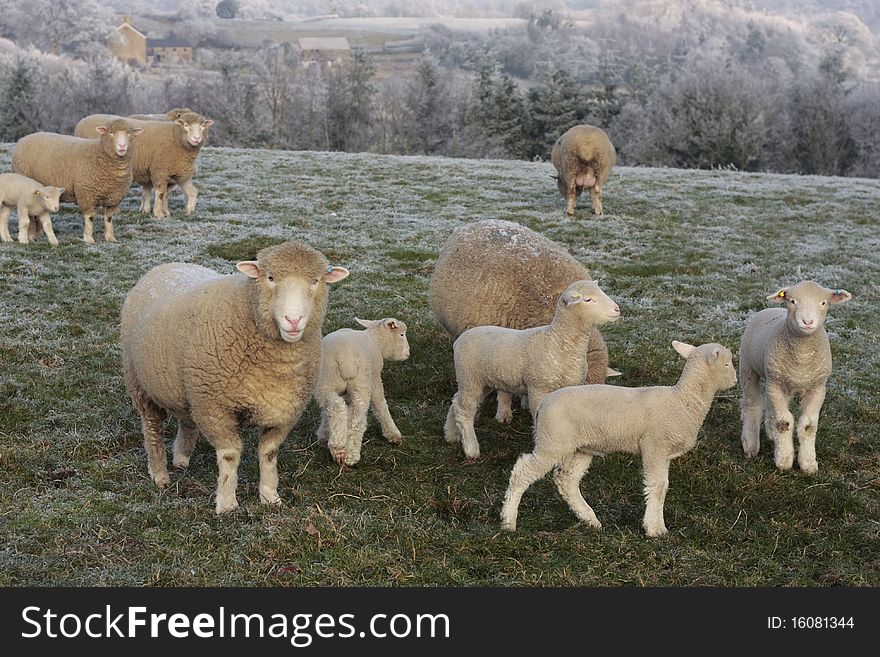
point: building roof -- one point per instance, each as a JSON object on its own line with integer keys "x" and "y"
{"x": 132, "y": 28}
{"x": 323, "y": 43}
{"x": 168, "y": 43}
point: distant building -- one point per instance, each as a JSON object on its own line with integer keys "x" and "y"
{"x": 131, "y": 45}
{"x": 324, "y": 51}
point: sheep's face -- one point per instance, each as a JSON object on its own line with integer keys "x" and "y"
{"x": 807, "y": 305}
{"x": 392, "y": 336}
{"x": 717, "y": 360}
{"x": 290, "y": 298}
{"x": 194, "y": 128}
{"x": 119, "y": 134}
{"x": 587, "y": 299}
{"x": 50, "y": 197}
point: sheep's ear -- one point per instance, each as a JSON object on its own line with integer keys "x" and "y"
{"x": 179, "y": 121}
{"x": 366, "y": 323}
{"x": 390, "y": 324}
{"x": 610, "y": 371}
{"x": 249, "y": 268}
{"x": 838, "y": 296}
{"x": 136, "y": 131}
{"x": 779, "y": 297}
{"x": 683, "y": 348}
{"x": 37, "y": 192}
{"x": 572, "y": 297}
{"x": 713, "y": 357}
{"x": 101, "y": 130}
{"x": 335, "y": 274}
{"x": 208, "y": 123}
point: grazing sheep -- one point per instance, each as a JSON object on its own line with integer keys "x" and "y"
{"x": 170, "y": 115}
{"x": 659, "y": 422}
{"x": 29, "y": 198}
{"x": 93, "y": 172}
{"x": 350, "y": 381}
{"x": 165, "y": 156}
{"x": 532, "y": 361}
{"x": 498, "y": 273}
{"x": 787, "y": 349}
{"x": 583, "y": 157}
{"x": 220, "y": 351}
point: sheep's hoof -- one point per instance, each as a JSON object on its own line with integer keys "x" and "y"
{"x": 595, "y": 524}
{"x": 339, "y": 457}
{"x": 810, "y": 468}
{"x": 504, "y": 418}
{"x": 352, "y": 461}
{"x": 656, "y": 532}
{"x": 180, "y": 461}
{"x": 226, "y": 507}
{"x": 270, "y": 498}
{"x": 162, "y": 480}
{"x": 89, "y": 240}
{"x": 508, "y": 526}
{"x": 109, "y": 239}
{"x": 396, "y": 439}
{"x": 470, "y": 460}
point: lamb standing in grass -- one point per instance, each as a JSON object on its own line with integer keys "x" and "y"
{"x": 93, "y": 172}
{"x": 498, "y": 273}
{"x": 787, "y": 350}
{"x": 29, "y": 198}
{"x": 165, "y": 156}
{"x": 217, "y": 351}
{"x": 660, "y": 423}
{"x": 351, "y": 367}
{"x": 532, "y": 361}
{"x": 583, "y": 157}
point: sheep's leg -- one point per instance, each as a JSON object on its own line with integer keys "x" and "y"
{"x": 571, "y": 195}
{"x": 567, "y": 479}
{"x": 88, "y": 216}
{"x": 527, "y": 470}
{"x": 219, "y": 429}
{"x": 462, "y": 413}
{"x": 269, "y": 443}
{"x": 24, "y": 223}
{"x": 152, "y": 426}
{"x": 185, "y": 442}
{"x": 334, "y": 420}
{"x": 504, "y": 412}
{"x": 596, "y": 197}
{"x": 4, "y": 223}
{"x": 535, "y": 398}
{"x": 751, "y": 410}
{"x": 807, "y": 427}
{"x": 161, "y": 187}
{"x": 46, "y": 224}
{"x": 145, "y": 198}
{"x": 359, "y": 403}
{"x": 323, "y": 431}
{"x": 191, "y": 195}
{"x": 379, "y": 406}
{"x": 109, "y": 236}
{"x": 165, "y": 198}
{"x": 780, "y": 426}
{"x": 656, "y": 480}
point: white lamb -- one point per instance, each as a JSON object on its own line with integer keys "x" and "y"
{"x": 661, "y": 423}
{"x": 531, "y": 361}
{"x": 787, "y": 349}
{"x": 350, "y": 381}
{"x": 29, "y": 198}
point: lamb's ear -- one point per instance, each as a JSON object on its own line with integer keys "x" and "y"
{"x": 838, "y": 296}
{"x": 37, "y": 192}
{"x": 683, "y": 348}
{"x": 366, "y": 323}
{"x": 610, "y": 371}
{"x": 101, "y": 130}
{"x": 779, "y": 297}
{"x": 572, "y": 297}
{"x": 249, "y": 268}
{"x": 335, "y": 274}
{"x": 390, "y": 324}
{"x": 713, "y": 357}
{"x": 208, "y": 123}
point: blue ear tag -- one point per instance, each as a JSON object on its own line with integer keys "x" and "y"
{"x": 837, "y": 291}
{"x": 329, "y": 268}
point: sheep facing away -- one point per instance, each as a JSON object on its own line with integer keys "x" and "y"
{"x": 220, "y": 351}
{"x": 350, "y": 381}
{"x": 532, "y": 361}
{"x": 661, "y": 423}
{"x": 165, "y": 156}
{"x": 583, "y": 157}
{"x": 170, "y": 115}
{"x": 787, "y": 350}
{"x": 94, "y": 172}
{"x": 28, "y": 197}
{"x": 498, "y": 273}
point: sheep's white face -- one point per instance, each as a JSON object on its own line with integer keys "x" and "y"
{"x": 807, "y": 305}
{"x": 292, "y": 298}
{"x": 51, "y": 197}
{"x": 588, "y": 298}
{"x": 121, "y": 138}
{"x": 194, "y": 132}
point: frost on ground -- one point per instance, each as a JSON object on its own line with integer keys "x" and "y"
{"x": 688, "y": 255}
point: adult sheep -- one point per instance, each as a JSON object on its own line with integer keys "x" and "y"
{"x": 583, "y": 157}
{"x": 498, "y": 273}
{"x": 218, "y": 351}
{"x": 165, "y": 156}
{"x": 93, "y": 172}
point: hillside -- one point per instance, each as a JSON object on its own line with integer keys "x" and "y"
{"x": 688, "y": 255}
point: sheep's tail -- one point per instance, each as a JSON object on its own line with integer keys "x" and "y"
{"x": 348, "y": 369}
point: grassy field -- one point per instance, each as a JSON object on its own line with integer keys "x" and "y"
{"x": 688, "y": 255}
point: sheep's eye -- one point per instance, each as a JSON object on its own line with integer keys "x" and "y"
{"x": 270, "y": 278}
{"x": 316, "y": 281}
{"x": 791, "y": 301}
{"x": 824, "y": 303}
